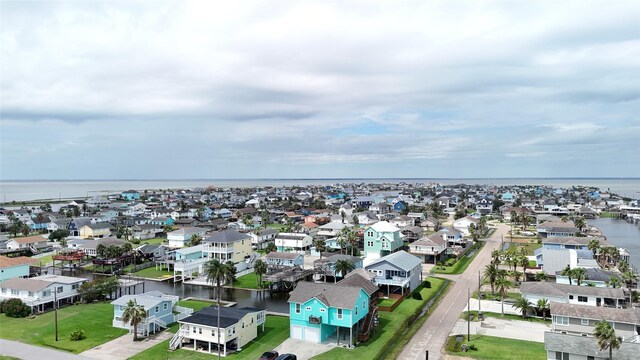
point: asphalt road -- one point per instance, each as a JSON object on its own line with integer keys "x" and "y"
{"x": 435, "y": 330}
{"x": 29, "y": 352}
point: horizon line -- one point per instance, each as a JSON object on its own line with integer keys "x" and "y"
{"x": 344, "y": 178}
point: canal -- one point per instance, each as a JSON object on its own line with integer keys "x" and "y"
{"x": 622, "y": 234}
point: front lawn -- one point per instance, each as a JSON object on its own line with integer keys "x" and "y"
{"x": 153, "y": 241}
{"x": 530, "y": 246}
{"x": 152, "y": 273}
{"x": 505, "y": 317}
{"x": 278, "y": 227}
{"x": 276, "y": 330}
{"x": 45, "y": 260}
{"x": 94, "y": 319}
{"x": 248, "y": 281}
{"x": 392, "y": 325}
{"x": 461, "y": 265}
{"x": 495, "y": 348}
{"x": 386, "y": 302}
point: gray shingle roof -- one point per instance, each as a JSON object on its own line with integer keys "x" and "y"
{"x": 332, "y": 295}
{"x": 561, "y": 290}
{"x": 628, "y": 316}
{"x": 227, "y": 236}
{"x": 209, "y": 316}
{"x": 282, "y": 255}
{"x": 587, "y": 346}
{"x": 400, "y": 259}
{"x": 357, "y": 280}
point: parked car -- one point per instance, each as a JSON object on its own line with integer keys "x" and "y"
{"x": 287, "y": 357}
{"x": 269, "y": 355}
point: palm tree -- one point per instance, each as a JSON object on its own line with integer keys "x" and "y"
{"x": 524, "y": 262}
{"x": 195, "y": 240}
{"x": 495, "y": 256}
{"x": 607, "y": 338}
{"x": 524, "y": 220}
{"x": 343, "y": 239}
{"x": 543, "y": 306}
{"x": 614, "y": 282}
{"x": 516, "y": 277}
{"x": 271, "y": 247}
{"x": 343, "y": 267}
{"x": 355, "y": 220}
{"x": 352, "y": 238}
{"x": 321, "y": 246}
{"x": 541, "y": 276}
{"x": 594, "y": 246}
{"x": 503, "y": 284}
{"x": 567, "y": 272}
{"x": 134, "y": 314}
{"x": 217, "y": 273}
{"x": 260, "y": 268}
{"x": 579, "y": 275}
{"x": 491, "y": 273}
{"x": 623, "y": 266}
{"x": 524, "y": 305}
{"x": 579, "y": 223}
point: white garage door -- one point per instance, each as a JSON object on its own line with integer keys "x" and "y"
{"x": 296, "y": 332}
{"x": 312, "y": 334}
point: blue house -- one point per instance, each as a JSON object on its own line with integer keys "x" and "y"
{"x": 161, "y": 309}
{"x": 15, "y": 267}
{"x": 507, "y": 197}
{"x": 162, "y": 221}
{"x": 130, "y": 195}
{"x": 328, "y": 264}
{"x": 399, "y": 206}
{"x": 318, "y": 311}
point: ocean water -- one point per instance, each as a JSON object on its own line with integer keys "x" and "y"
{"x": 24, "y": 190}
{"x": 622, "y": 234}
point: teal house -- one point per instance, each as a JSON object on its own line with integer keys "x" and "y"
{"x": 16, "y": 267}
{"x": 321, "y": 312}
{"x": 162, "y": 310}
{"x": 130, "y": 195}
{"x": 382, "y": 238}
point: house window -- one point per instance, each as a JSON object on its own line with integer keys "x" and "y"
{"x": 194, "y": 329}
{"x": 570, "y": 297}
{"x": 562, "y": 356}
{"x": 243, "y": 324}
{"x": 584, "y": 322}
{"x": 15, "y": 292}
{"x": 356, "y": 311}
{"x": 31, "y": 294}
{"x": 308, "y": 308}
{"x": 165, "y": 306}
{"x": 297, "y": 308}
{"x": 213, "y": 332}
{"x": 322, "y": 310}
{"x": 59, "y": 289}
{"x": 157, "y": 309}
{"x": 234, "y": 329}
{"x": 591, "y": 358}
{"x": 582, "y": 299}
{"x": 4, "y": 291}
{"x": 364, "y": 304}
{"x": 562, "y": 320}
{"x": 199, "y": 330}
{"x": 46, "y": 293}
{"x": 339, "y": 314}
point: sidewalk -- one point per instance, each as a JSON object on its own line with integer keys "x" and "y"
{"x": 124, "y": 347}
{"x": 29, "y": 352}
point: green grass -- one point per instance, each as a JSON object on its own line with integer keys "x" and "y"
{"x": 94, "y": 319}
{"x": 606, "y": 214}
{"x": 392, "y": 324}
{"x": 4, "y": 357}
{"x": 495, "y": 348}
{"x": 45, "y": 260}
{"x": 276, "y": 331}
{"x": 277, "y": 226}
{"x": 153, "y": 241}
{"x": 195, "y": 304}
{"x": 386, "y": 302}
{"x": 488, "y": 296}
{"x": 504, "y": 317}
{"x": 461, "y": 265}
{"x": 249, "y": 281}
{"x": 529, "y": 246}
{"x": 152, "y": 273}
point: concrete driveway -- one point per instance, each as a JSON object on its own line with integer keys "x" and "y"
{"x": 124, "y": 347}
{"x": 303, "y": 350}
{"x": 30, "y": 352}
{"x": 510, "y": 329}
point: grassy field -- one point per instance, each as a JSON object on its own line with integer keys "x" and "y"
{"x": 249, "y": 281}
{"x": 460, "y": 266}
{"x": 392, "y": 324}
{"x": 276, "y": 331}
{"x": 152, "y": 273}
{"x": 278, "y": 227}
{"x": 495, "y": 348}
{"x": 45, "y": 260}
{"x": 94, "y": 319}
{"x": 196, "y": 304}
{"x": 153, "y": 241}
{"x": 529, "y": 246}
{"x": 4, "y": 357}
{"x": 505, "y": 317}
{"x": 386, "y": 302}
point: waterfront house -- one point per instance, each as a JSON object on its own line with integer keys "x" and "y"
{"x": 594, "y": 276}
{"x": 145, "y": 231}
{"x": 288, "y": 259}
{"x": 238, "y": 327}
{"x": 93, "y": 231}
{"x": 551, "y": 229}
{"x": 228, "y": 245}
{"x": 327, "y": 265}
{"x": 89, "y": 247}
{"x": 15, "y": 267}
{"x": 463, "y": 224}
{"x": 182, "y": 237}
{"x": 30, "y": 242}
{"x": 38, "y": 292}
{"x": 162, "y": 310}
{"x": 572, "y": 294}
{"x": 261, "y": 238}
{"x": 318, "y": 311}
{"x": 296, "y": 242}
{"x": 382, "y": 238}
{"x": 399, "y": 272}
{"x": 432, "y": 248}
{"x": 76, "y": 223}
{"x": 38, "y": 223}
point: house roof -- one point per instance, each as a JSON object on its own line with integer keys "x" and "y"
{"x": 332, "y": 295}
{"x": 226, "y": 236}
{"x": 569, "y": 240}
{"x": 336, "y": 257}
{"x": 209, "y": 316}
{"x": 629, "y": 316}
{"x": 188, "y": 231}
{"x": 99, "y": 226}
{"x": 356, "y": 279}
{"x": 431, "y": 240}
{"x": 59, "y": 279}
{"x": 282, "y": 255}
{"x": 400, "y": 259}
{"x": 384, "y": 226}
{"x": 596, "y": 274}
{"x": 561, "y": 290}
{"x": 24, "y": 284}
{"x": 586, "y": 346}
{"x": 147, "y": 300}
{"x": 7, "y": 262}
{"x": 30, "y": 239}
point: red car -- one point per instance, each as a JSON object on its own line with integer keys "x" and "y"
{"x": 269, "y": 355}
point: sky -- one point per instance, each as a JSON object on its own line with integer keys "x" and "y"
{"x": 331, "y": 89}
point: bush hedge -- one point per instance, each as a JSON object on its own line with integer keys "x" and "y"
{"x": 15, "y": 308}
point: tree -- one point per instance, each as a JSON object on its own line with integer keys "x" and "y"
{"x": 343, "y": 267}
{"x": 474, "y": 232}
{"x": 503, "y": 284}
{"x": 217, "y": 274}
{"x": 524, "y": 262}
{"x": 579, "y": 223}
{"x": 46, "y": 207}
{"x": 321, "y": 246}
{"x": 495, "y": 257}
{"x": 491, "y": 273}
{"x": 195, "y": 240}
{"x": 614, "y": 282}
{"x": 271, "y": 247}
{"x": 567, "y": 272}
{"x": 579, "y": 275}
{"x": 127, "y": 247}
{"x": 343, "y": 238}
{"x": 265, "y": 216}
{"x": 524, "y": 305}
{"x": 343, "y": 215}
{"x": 59, "y": 235}
{"x": 260, "y": 268}
{"x": 607, "y": 338}
{"x": 543, "y": 306}
{"x": 594, "y": 246}
{"x": 356, "y": 222}
{"x": 541, "y": 276}
{"x": 100, "y": 250}
{"x": 134, "y": 314}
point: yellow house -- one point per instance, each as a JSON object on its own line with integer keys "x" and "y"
{"x": 94, "y": 231}
{"x": 228, "y": 245}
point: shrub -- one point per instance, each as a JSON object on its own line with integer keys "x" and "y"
{"x": 135, "y": 241}
{"x": 451, "y": 262}
{"x": 15, "y": 308}
{"x": 77, "y": 335}
{"x": 427, "y": 284}
{"x": 473, "y": 347}
{"x": 416, "y": 295}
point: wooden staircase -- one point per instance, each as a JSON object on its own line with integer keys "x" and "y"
{"x": 370, "y": 322}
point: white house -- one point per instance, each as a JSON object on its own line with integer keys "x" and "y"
{"x": 181, "y": 237}
{"x": 293, "y": 241}
{"x": 464, "y": 223}
{"x": 38, "y": 292}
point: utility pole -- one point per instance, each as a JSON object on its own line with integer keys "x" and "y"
{"x": 469, "y": 316}
{"x": 55, "y": 311}
{"x": 479, "y": 295}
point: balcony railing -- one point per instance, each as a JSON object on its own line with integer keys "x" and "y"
{"x": 217, "y": 249}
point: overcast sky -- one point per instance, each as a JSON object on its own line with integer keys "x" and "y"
{"x": 279, "y": 89}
